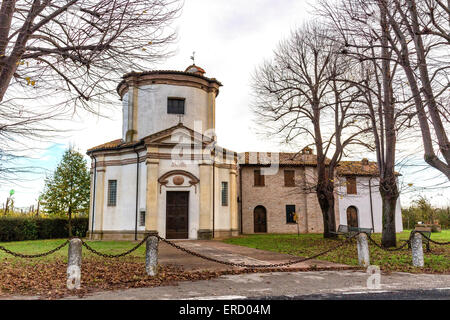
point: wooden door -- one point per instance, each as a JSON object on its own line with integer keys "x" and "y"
{"x": 177, "y": 213}
{"x": 260, "y": 219}
{"x": 352, "y": 217}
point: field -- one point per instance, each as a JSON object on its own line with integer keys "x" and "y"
{"x": 305, "y": 245}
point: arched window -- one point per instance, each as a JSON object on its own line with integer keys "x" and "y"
{"x": 260, "y": 219}
{"x": 352, "y": 216}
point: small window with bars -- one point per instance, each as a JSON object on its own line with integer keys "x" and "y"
{"x": 351, "y": 185}
{"x": 112, "y": 193}
{"x": 142, "y": 218}
{"x": 224, "y": 193}
{"x": 258, "y": 178}
{"x": 175, "y": 105}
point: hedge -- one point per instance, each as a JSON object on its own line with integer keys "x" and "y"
{"x": 24, "y": 228}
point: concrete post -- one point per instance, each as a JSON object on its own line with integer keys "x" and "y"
{"x": 151, "y": 256}
{"x": 417, "y": 250}
{"x": 74, "y": 265}
{"x": 363, "y": 250}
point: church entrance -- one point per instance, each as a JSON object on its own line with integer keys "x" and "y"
{"x": 177, "y": 213}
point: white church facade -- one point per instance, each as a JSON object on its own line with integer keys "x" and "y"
{"x": 167, "y": 175}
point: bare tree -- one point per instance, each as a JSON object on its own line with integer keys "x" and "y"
{"x": 419, "y": 29}
{"x": 365, "y": 36}
{"x": 60, "y": 55}
{"x": 301, "y": 94}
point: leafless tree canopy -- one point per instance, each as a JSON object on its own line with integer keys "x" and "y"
{"x": 417, "y": 37}
{"x": 302, "y": 93}
{"x": 401, "y": 50}
{"x": 60, "y": 55}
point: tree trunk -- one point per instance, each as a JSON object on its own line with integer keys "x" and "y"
{"x": 7, "y": 206}
{"x": 389, "y": 196}
{"x": 325, "y": 196}
{"x": 70, "y": 222}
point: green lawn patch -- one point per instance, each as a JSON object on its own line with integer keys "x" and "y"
{"x": 305, "y": 245}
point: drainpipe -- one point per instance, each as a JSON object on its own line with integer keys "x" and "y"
{"x": 240, "y": 198}
{"x": 214, "y": 195}
{"x": 137, "y": 193}
{"x": 93, "y": 196}
{"x": 371, "y": 205}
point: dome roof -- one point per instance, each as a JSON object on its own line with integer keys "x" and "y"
{"x": 195, "y": 69}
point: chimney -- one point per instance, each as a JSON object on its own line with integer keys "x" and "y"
{"x": 307, "y": 150}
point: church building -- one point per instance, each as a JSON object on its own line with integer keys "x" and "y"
{"x": 167, "y": 175}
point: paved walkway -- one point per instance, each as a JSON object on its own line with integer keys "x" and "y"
{"x": 295, "y": 285}
{"x": 231, "y": 253}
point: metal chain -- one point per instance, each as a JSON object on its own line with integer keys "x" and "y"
{"x": 274, "y": 265}
{"x": 388, "y": 249}
{"x": 31, "y": 256}
{"x": 433, "y": 241}
{"x": 106, "y": 255}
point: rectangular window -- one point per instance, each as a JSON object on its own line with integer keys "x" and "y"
{"x": 259, "y": 178}
{"x": 175, "y": 105}
{"x": 224, "y": 193}
{"x": 351, "y": 185}
{"x": 289, "y": 178}
{"x": 142, "y": 218}
{"x": 290, "y": 210}
{"x": 112, "y": 193}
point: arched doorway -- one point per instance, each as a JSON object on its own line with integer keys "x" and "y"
{"x": 352, "y": 216}
{"x": 260, "y": 219}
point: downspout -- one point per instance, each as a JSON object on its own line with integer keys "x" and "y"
{"x": 93, "y": 195}
{"x": 240, "y": 200}
{"x": 137, "y": 193}
{"x": 371, "y": 205}
{"x": 214, "y": 195}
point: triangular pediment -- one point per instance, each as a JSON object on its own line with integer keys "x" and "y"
{"x": 175, "y": 135}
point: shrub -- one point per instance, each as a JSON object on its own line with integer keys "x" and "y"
{"x": 26, "y": 228}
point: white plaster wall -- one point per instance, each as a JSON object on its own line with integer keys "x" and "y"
{"x": 123, "y": 215}
{"x": 362, "y": 202}
{"x": 222, "y": 219}
{"x": 152, "y": 108}
{"x": 142, "y": 189}
{"x": 194, "y": 197}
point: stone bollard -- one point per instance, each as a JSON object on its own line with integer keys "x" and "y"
{"x": 151, "y": 256}
{"x": 74, "y": 264}
{"x": 363, "y": 250}
{"x": 417, "y": 250}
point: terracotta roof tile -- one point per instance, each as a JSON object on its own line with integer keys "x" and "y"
{"x": 113, "y": 145}
{"x": 284, "y": 158}
{"x": 358, "y": 168}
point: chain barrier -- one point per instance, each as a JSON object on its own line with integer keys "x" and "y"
{"x": 243, "y": 265}
{"x": 388, "y": 249}
{"x": 435, "y": 242}
{"x": 106, "y": 255}
{"x": 408, "y": 242}
{"x": 39, "y": 255}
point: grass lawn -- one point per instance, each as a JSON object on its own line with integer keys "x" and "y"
{"x": 305, "y": 245}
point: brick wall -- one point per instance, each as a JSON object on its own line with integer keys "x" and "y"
{"x": 274, "y": 196}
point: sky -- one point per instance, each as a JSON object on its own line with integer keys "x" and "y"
{"x": 230, "y": 39}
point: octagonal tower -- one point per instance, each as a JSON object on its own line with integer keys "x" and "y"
{"x": 156, "y": 100}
